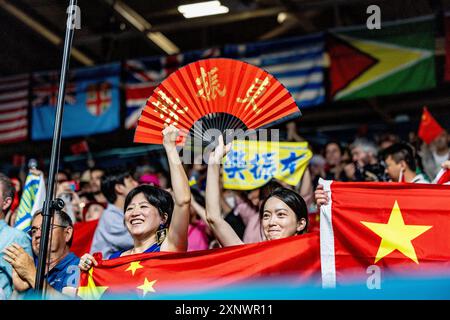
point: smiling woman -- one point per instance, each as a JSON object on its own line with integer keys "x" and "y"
{"x": 155, "y": 220}
{"x": 283, "y": 213}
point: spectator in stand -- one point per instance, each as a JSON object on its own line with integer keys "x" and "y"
{"x": 387, "y": 140}
{"x": 111, "y": 234}
{"x": 12, "y": 212}
{"x": 62, "y": 273}
{"x": 401, "y": 164}
{"x": 156, "y": 220}
{"x": 435, "y": 154}
{"x": 282, "y": 213}
{"x": 62, "y": 176}
{"x": 317, "y": 169}
{"x": 96, "y": 175}
{"x": 334, "y": 169}
{"x": 8, "y": 236}
{"x": 366, "y": 165}
{"x": 199, "y": 234}
{"x": 93, "y": 210}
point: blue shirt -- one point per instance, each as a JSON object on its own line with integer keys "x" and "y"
{"x": 156, "y": 247}
{"x": 9, "y": 236}
{"x": 65, "y": 274}
{"x": 111, "y": 234}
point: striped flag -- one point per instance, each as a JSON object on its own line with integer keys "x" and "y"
{"x": 144, "y": 75}
{"x": 443, "y": 177}
{"x": 13, "y": 108}
{"x": 298, "y": 63}
{"x": 32, "y": 200}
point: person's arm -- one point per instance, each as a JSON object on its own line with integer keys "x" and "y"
{"x": 221, "y": 229}
{"x": 177, "y": 235}
{"x": 24, "y": 272}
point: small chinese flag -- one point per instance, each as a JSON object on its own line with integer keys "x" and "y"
{"x": 80, "y": 147}
{"x": 429, "y": 129}
{"x": 397, "y": 228}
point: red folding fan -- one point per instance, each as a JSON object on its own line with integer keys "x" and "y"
{"x": 215, "y": 94}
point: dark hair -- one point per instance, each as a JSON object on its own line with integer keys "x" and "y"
{"x": 109, "y": 181}
{"x": 8, "y": 190}
{"x": 159, "y": 198}
{"x": 399, "y": 152}
{"x": 268, "y": 188}
{"x": 341, "y": 149}
{"x": 63, "y": 218}
{"x": 293, "y": 200}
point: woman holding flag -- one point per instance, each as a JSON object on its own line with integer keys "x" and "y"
{"x": 283, "y": 213}
{"x": 155, "y": 220}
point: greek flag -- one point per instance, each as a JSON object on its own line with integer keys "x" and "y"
{"x": 32, "y": 200}
{"x": 298, "y": 63}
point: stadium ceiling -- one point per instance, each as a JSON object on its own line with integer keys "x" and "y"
{"x": 112, "y": 30}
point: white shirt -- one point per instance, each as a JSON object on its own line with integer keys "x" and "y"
{"x": 419, "y": 179}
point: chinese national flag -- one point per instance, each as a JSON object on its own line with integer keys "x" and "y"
{"x": 429, "y": 129}
{"x": 83, "y": 234}
{"x": 398, "y": 227}
{"x": 146, "y": 275}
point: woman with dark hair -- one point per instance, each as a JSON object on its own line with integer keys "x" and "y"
{"x": 155, "y": 220}
{"x": 283, "y": 213}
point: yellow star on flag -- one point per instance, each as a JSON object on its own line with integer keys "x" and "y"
{"x": 134, "y": 266}
{"x": 91, "y": 291}
{"x": 396, "y": 235}
{"x": 147, "y": 287}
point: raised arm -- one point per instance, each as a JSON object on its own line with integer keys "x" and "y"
{"x": 176, "y": 239}
{"x": 221, "y": 229}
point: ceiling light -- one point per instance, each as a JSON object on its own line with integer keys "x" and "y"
{"x": 202, "y": 9}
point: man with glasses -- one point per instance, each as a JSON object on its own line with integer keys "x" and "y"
{"x": 62, "y": 273}
{"x": 8, "y": 236}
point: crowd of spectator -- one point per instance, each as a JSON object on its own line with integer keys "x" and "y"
{"x": 217, "y": 217}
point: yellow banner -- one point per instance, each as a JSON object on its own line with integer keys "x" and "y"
{"x": 251, "y": 164}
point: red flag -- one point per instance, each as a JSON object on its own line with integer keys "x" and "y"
{"x": 80, "y": 147}
{"x": 396, "y": 227}
{"x": 18, "y": 160}
{"x": 429, "y": 129}
{"x": 83, "y": 234}
{"x": 164, "y": 272}
{"x": 443, "y": 177}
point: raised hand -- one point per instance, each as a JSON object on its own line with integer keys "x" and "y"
{"x": 219, "y": 152}
{"x": 87, "y": 262}
{"x": 170, "y": 135}
{"x": 321, "y": 196}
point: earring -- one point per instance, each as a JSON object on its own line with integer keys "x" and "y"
{"x": 161, "y": 233}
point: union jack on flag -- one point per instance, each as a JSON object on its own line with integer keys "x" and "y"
{"x": 144, "y": 75}
{"x": 46, "y": 87}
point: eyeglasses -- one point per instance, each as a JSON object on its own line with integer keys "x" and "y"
{"x": 34, "y": 230}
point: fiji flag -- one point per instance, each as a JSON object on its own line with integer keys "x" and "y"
{"x": 32, "y": 200}
{"x": 91, "y": 105}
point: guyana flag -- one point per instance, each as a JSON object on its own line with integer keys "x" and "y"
{"x": 151, "y": 274}
{"x": 397, "y": 58}
{"x": 397, "y": 228}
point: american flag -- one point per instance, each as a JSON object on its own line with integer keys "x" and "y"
{"x": 46, "y": 87}
{"x": 14, "y": 108}
{"x": 144, "y": 75}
